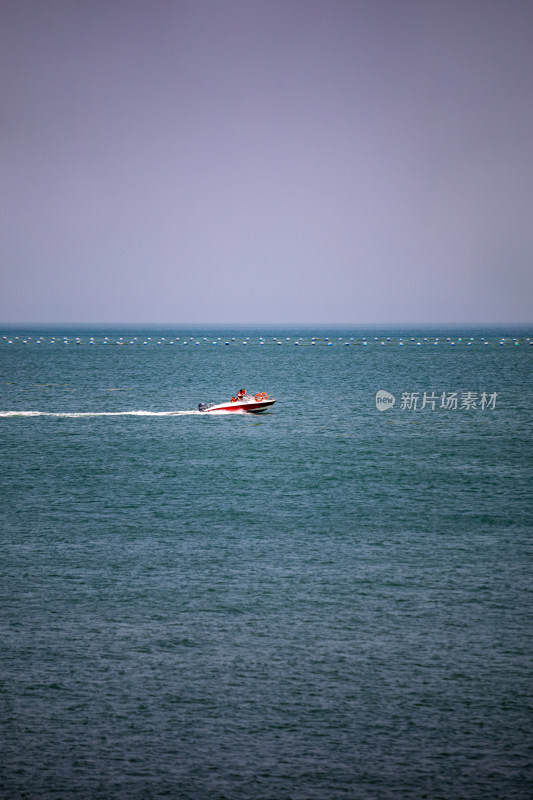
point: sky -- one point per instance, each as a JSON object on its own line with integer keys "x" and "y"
{"x": 266, "y": 161}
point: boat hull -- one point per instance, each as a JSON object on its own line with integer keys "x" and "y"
{"x": 250, "y": 406}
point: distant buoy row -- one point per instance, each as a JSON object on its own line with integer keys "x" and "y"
{"x": 298, "y": 341}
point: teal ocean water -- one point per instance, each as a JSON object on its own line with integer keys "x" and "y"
{"x": 330, "y": 600}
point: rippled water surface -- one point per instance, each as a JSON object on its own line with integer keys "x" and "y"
{"x": 324, "y": 601}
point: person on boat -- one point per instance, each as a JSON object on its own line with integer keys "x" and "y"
{"x": 241, "y": 394}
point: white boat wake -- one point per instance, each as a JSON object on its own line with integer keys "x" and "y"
{"x": 79, "y": 414}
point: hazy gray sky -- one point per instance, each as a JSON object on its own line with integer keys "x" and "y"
{"x": 266, "y": 161}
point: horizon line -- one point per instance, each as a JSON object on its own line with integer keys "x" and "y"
{"x": 239, "y": 325}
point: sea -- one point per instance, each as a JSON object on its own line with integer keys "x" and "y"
{"x": 331, "y": 600}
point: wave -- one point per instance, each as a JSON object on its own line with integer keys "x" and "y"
{"x": 79, "y": 414}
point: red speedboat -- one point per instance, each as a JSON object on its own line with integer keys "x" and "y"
{"x": 243, "y": 402}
